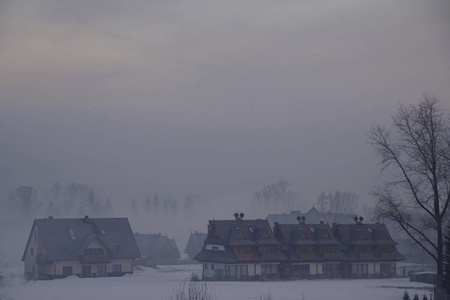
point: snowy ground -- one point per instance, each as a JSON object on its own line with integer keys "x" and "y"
{"x": 158, "y": 284}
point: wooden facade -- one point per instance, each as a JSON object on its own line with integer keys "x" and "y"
{"x": 250, "y": 249}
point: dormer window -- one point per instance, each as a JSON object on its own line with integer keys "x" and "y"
{"x": 304, "y": 236}
{"x": 266, "y": 235}
{"x": 242, "y": 236}
{"x": 72, "y": 234}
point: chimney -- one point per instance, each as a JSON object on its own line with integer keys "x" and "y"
{"x": 50, "y": 217}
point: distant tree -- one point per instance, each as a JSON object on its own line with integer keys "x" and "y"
{"x": 349, "y": 202}
{"x": 417, "y": 156}
{"x": 189, "y": 201}
{"x": 155, "y": 203}
{"x": 133, "y": 205}
{"x": 277, "y": 194}
{"x": 24, "y": 198}
{"x": 108, "y": 208}
{"x": 170, "y": 204}
{"x": 416, "y": 297}
{"x": 338, "y": 202}
{"x": 147, "y": 204}
{"x": 323, "y": 202}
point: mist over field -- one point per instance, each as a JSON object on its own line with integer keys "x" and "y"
{"x": 173, "y": 113}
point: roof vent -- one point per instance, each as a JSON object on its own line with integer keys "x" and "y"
{"x": 238, "y": 216}
{"x": 301, "y": 220}
{"x": 358, "y": 220}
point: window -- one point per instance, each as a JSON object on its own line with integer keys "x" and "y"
{"x": 67, "y": 270}
{"x": 300, "y": 270}
{"x": 304, "y": 249}
{"x": 267, "y": 249}
{"x": 212, "y": 266}
{"x": 328, "y": 248}
{"x": 362, "y": 249}
{"x": 117, "y": 268}
{"x": 387, "y": 269}
{"x": 360, "y": 269}
{"x": 215, "y": 249}
{"x": 386, "y": 249}
{"x": 206, "y": 266}
{"x": 31, "y": 251}
{"x": 242, "y": 236}
{"x": 269, "y": 269}
{"x": 101, "y": 270}
{"x": 266, "y": 235}
{"x": 304, "y": 236}
{"x": 329, "y": 269}
{"x": 94, "y": 251}
{"x": 236, "y": 271}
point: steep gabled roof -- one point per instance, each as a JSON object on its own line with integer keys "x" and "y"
{"x": 305, "y": 234}
{"x": 63, "y": 239}
{"x": 156, "y": 244}
{"x": 195, "y": 242}
{"x": 239, "y": 232}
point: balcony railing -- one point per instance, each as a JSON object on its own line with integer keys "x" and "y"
{"x": 95, "y": 258}
{"x": 270, "y": 256}
{"x": 307, "y": 256}
{"x": 388, "y": 256}
{"x": 366, "y": 256}
{"x": 246, "y": 256}
{"x": 331, "y": 255}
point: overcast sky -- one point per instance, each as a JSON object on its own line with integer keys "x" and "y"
{"x": 213, "y": 97}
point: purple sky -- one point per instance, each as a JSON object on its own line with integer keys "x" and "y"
{"x": 212, "y": 97}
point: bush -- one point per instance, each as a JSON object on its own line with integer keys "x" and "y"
{"x": 193, "y": 290}
{"x": 194, "y": 277}
{"x": 406, "y": 296}
{"x": 268, "y": 296}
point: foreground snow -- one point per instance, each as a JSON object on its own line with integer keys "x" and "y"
{"x": 158, "y": 284}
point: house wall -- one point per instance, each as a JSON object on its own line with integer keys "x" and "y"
{"x": 210, "y": 272}
{"x": 57, "y": 268}
{"x": 313, "y": 267}
{"x": 30, "y": 266}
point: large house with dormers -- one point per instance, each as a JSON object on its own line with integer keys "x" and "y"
{"x": 86, "y": 247}
{"x": 249, "y": 249}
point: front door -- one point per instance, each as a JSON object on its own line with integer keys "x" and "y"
{"x": 86, "y": 271}
{"x": 101, "y": 271}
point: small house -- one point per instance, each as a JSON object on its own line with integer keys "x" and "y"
{"x": 156, "y": 249}
{"x": 85, "y": 247}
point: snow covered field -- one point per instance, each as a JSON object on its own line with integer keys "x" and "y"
{"x": 158, "y": 284}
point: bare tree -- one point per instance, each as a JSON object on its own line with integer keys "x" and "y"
{"x": 417, "y": 155}
{"x": 323, "y": 202}
{"x": 349, "y": 202}
{"x": 277, "y": 194}
{"x": 193, "y": 291}
{"x": 338, "y": 202}
{"x": 24, "y": 198}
